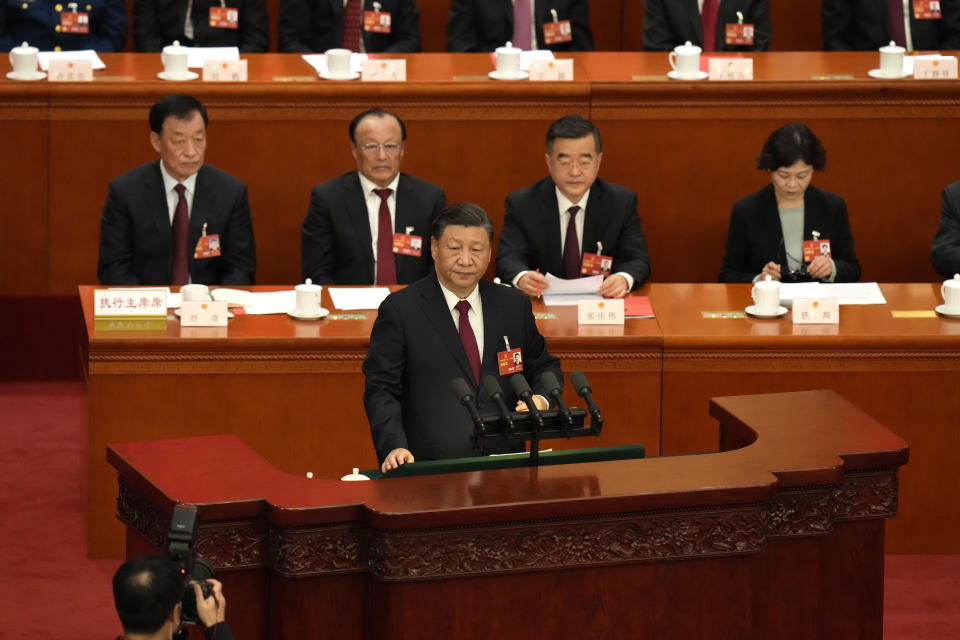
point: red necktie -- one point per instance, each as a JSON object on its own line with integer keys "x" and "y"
{"x": 468, "y": 339}
{"x": 386, "y": 268}
{"x": 521, "y": 25}
{"x": 708, "y": 17}
{"x": 351, "y": 25}
{"x": 895, "y": 14}
{"x": 180, "y": 264}
{"x": 571, "y": 247}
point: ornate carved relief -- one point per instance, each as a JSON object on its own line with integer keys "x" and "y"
{"x": 867, "y": 495}
{"x": 800, "y": 513}
{"x": 315, "y": 551}
{"x": 142, "y": 515}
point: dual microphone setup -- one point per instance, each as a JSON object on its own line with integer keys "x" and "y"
{"x": 533, "y": 425}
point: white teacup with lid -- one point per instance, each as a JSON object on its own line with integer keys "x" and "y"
{"x": 766, "y": 295}
{"x": 950, "y": 290}
{"x": 508, "y": 61}
{"x": 308, "y": 298}
{"x": 338, "y": 62}
{"x": 23, "y": 59}
{"x": 891, "y": 60}
{"x": 174, "y": 58}
{"x": 685, "y": 60}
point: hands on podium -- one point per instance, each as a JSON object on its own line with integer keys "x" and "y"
{"x": 396, "y": 458}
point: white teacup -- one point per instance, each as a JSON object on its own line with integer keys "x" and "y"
{"x": 508, "y": 61}
{"x": 194, "y": 293}
{"x": 891, "y": 60}
{"x": 950, "y": 290}
{"x": 685, "y": 60}
{"x": 308, "y": 298}
{"x": 174, "y": 59}
{"x": 23, "y": 59}
{"x": 338, "y": 62}
{"x": 766, "y": 295}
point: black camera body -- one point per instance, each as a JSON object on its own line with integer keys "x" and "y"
{"x": 194, "y": 569}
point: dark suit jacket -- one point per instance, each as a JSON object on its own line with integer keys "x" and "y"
{"x": 157, "y": 23}
{"x": 669, "y": 23}
{"x": 336, "y": 245}
{"x": 135, "y": 239}
{"x": 531, "y": 231}
{"x": 484, "y": 25}
{"x": 945, "y": 253}
{"x": 862, "y": 25}
{"x": 35, "y": 22}
{"x": 313, "y": 26}
{"x": 755, "y": 236}
{"x": 415, "y": 353}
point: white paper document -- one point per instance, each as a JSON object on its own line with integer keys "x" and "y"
{"x": 196, "y": 56}
{"x": 267, "y": 302}
{"x": 844, "y": 292}
{"x": 526, "y": 57}
{"x": 560, "y": 292}
{"x": 319, "y": 62}
{"x": 356, "y": 298}
{"x": 87, "y": 54}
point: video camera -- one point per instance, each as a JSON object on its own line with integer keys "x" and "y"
{"x": 194, "y": 569}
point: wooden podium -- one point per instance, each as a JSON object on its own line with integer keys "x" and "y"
{"x": 780, "y": 534}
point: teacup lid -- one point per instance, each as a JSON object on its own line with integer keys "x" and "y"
{"x": 768, "y": 282}
{"x": 176, "y": 47}
{"x": 508, "y": 48}
{"x": 24, "y": 48}
{"x": 687, "y": 48}
{"x": 355, "y": 476}
{"x": 893, "y": 47}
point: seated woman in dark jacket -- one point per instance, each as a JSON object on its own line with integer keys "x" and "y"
{"x": 768, "y": 228}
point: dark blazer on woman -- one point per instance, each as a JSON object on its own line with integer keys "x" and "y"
{"x": 755, "y": 236}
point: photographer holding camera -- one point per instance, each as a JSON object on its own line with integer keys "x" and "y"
{"x": 150, "y": 593}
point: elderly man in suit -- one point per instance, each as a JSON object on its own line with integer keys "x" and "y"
{"x": 450, "y": 324}
{"x": 177, "y": 220}
{"x": 363, "y": 227}
{"x": 572, "y": 223}
{"x": 309, "y": 26}
{"x": 484, "y": 25}
{"x": 668, "y": 23}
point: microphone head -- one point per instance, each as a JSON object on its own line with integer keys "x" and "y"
{"x": 492, "y": 386}
{"x": 462, "y": 390}
{"x": 579, "y": 382}
{"x": 550, "y": 381}
{"x": 519, "y": 384}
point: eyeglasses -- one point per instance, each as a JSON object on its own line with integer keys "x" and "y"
{"x": 372, "y": 148}
{"x": 585, "y": 164}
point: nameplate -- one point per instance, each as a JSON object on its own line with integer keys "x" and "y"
{"x": 730, "y": 68}
{"x": 810, "y": 311}
{"x": 383, "y": 71}
{"x": 551, "y": 70}
{"x": 195, "y": 313}
{"x": 600, "y": 311}
{"x": 225, "y": 70}
{"x": 930, "y": 68}
{"x": 62, "y": 70}
{"x": 126, "y": 303}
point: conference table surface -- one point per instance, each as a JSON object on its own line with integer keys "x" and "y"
{"x": 653, "y": 379}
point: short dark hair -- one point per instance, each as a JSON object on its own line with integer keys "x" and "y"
{"x": 465, "y": 214}
{"x": 145, "y": 591}
{"x": 179, "y": 105}
{"x": 376, "y": 113}
{"x": 573, "y": 127}
{"x": 790, "y": 143}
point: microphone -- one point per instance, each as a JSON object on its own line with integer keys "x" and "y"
{"x": 492, "y": 387}
{"x": 555, "y": 392}
{"x": 465, "y": 395}
{"x": 522, "y": 389}
{"x": 582, "y": 387}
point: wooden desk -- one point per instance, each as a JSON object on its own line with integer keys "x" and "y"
{"x": 686, "y": 148}
{"x": 905, "y": 372}
{"x": 779, "y": 536}
{"x": 293, "y": 391}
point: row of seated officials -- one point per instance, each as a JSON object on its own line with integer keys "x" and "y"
{"x": 473, "y": 25}
{"x": 178, "y": 220}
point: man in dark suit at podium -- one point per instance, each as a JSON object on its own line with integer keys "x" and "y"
{"x": 177, "y": 220}
{"x": 372, "y": 225}
{"x": 553, "y": 224}
{"x": 434, "y": 331}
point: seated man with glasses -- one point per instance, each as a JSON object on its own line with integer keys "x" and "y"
{"x": 372, "y": 225}
{"x": 573, "y": 223}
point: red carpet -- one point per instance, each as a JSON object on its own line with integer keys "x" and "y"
{"x": 50, "y": 590}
